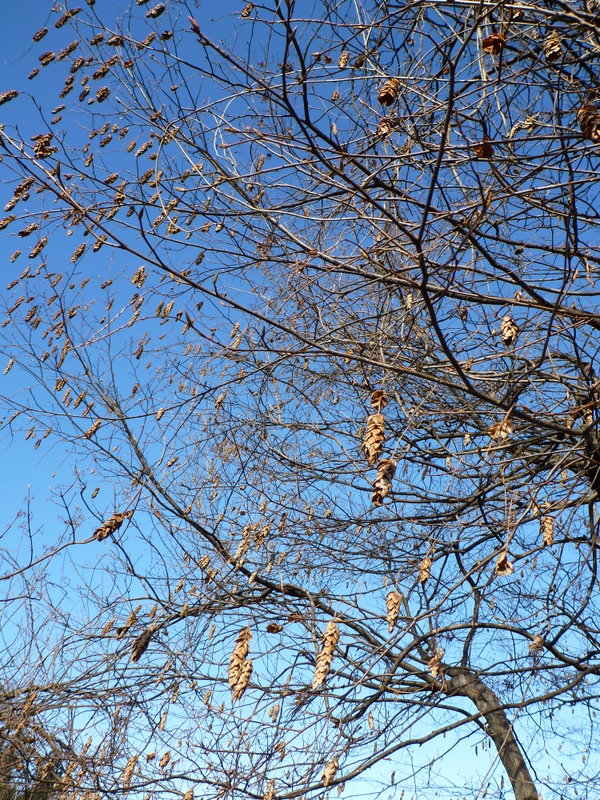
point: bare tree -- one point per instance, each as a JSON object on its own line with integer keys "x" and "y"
{"x": 310, "y": 300}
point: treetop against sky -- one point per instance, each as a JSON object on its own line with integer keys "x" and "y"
{"x": 300, "y": 327}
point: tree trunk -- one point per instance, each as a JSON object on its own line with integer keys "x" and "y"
{"x": 468, "y": 685}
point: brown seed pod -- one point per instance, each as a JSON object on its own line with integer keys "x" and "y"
{"x": 552, "y": 46}
{"x": 501, "y": 430}
{"x": 483, "y": 149}
{"x": 493, "y": 43}
{"x": 589, "y": 120}
{"x": 537, "y": 645}
{"x": 425, "y": 569}
{"x": 238, "y": 657}
{"x": 547, "y": 530}
{"x": 112, "y": 525}
{"x": 503, "y": 565}
{"x": 508, "y": 331}
{"x": 247, "y": 10}
{"x": 389, "y": 92}
{"x": 343, "y": 59}
{"x": 270, "y": 790}
{"x": 435, "y": 664}
{"x": 392, "y": 606}
{"x": 141, "y": 644}
{"x": 46, "y": 58}
{"x": 6, "y": 97}
{"x": 383, "y": 480}
{"x": 129, "y": 770}
{"x": 385, "y": 126}
{"x": 325, "y": 657}
{"x": 378, "y": 399}
{"x": 329, "y": 771}
{"x": 243, "y": 680}
{"x": 374, "y": 438}
{"x": 156, "y": 11}
{"x": 39, "y": 35}
{"x": 102, "y": 94}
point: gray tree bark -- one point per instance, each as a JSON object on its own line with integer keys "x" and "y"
{"x": 468, "y": 685}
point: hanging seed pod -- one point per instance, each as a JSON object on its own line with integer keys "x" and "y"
{"x": 503, "y": 565}
{"x": 385, "y": 126}
{"x": 46, "y": 58}
{"x": 501, "y": 430}
{"x": 537, "y": 645}
{"x": 141, "y": 644}
{"x": 39, "y": 35}
{"x": 392, "y": 605}
{"x": 102, "y": 94}
{"x": 343, "y": 59}
{"x": 112, "y": 525}
{"x": 243, "y": 680}
{"x": 483, "y": 149}
{"x": 493, "y": 43}
{"x": 379, "y": 399}
{"x": 247, "y": 10}
{"x": 329, "y": 771}
{"x": 155, "y": 12}
{"x": 128, "y": 771}
{"x": 6, "y": 97}
{"x": 552, "y": 46}
{"x": 270, "y": 790}
{"x": 330, "y": 639}
{"x": 383, "y": 480}
{"x": 374, "y": 438}
{"x": 589, "y": 120}
{"x": 547, "y": 530}
{"x": 508, "y": 331}
{"x": 425, "y": 570}
{"x": 238, "y": 657}
{"x": 389, "y": 92}
{"x": 435, "y": 664}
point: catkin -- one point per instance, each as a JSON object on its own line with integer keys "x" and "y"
{"x": 383, "y": 480}
{"x": 374, "y": 437}
{"x": 325, "y": 657}
{"x": 329, "y": 772}
{"x": 392, "y": 604}
{"x": 240, "y": 667}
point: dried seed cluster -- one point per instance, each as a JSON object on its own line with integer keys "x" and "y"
{"x": 325, "y": 657}
{"x": 240, "y": 666}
